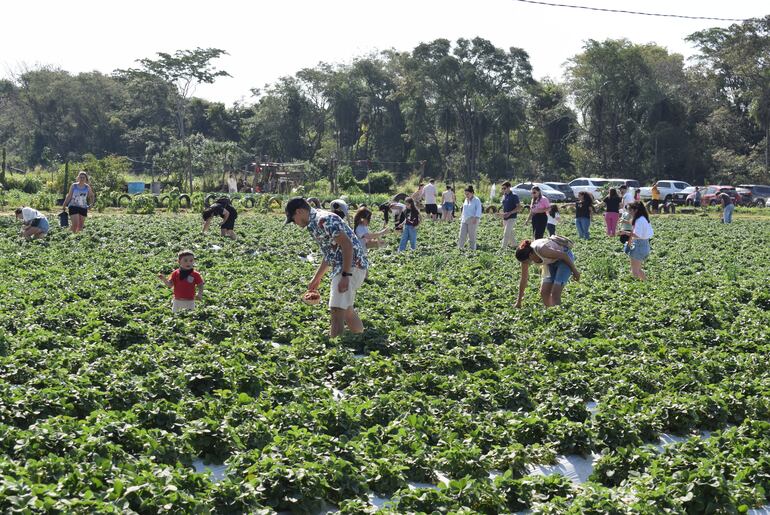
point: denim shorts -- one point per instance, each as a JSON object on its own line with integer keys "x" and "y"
{"x": 42, "y": 224}
{"x": 559, "y": 272}
{"x": 448, "y": 207}
{"x": 638, "y": 250}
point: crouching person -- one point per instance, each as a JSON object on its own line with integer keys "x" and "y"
{"x": 34, "y": 223}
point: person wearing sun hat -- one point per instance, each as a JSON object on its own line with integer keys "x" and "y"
{"x": 343, "y": 253}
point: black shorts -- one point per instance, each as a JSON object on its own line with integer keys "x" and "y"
{"x": 431, "y": 209}
{"x": 230, "y": 223}
{"x": 655, "y": 203}
{"x": 624, "y": 238}
{"x": 74, "y": 210}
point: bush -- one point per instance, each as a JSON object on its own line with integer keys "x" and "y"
{"x": 378, "y": 182}
{"x": 27, "y": 184}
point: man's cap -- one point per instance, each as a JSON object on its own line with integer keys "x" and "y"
{"x": 339, "y": 204}
{"x": 292, "y": 205}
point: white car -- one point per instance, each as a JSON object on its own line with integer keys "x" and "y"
{"x": 668, "y": 190}
{"x": 590, "y": 184}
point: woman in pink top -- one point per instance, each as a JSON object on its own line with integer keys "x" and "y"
{"x": 538, "y": 213}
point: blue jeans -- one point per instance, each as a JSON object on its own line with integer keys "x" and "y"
{"x": 727, "y": 216}
{"x": 409, "y": 234}
{"x": 582, "y": 225}
{"x": 559, "y": 272}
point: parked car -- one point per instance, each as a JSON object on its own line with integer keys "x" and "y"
{"x": 746, "y": 196}
{"x": 563, "y": 187}
{"x": 617, "y": 183}
{"x": 668, "y": 190}
{"x": 685, "y": 196}
{"x": 760, "y": 193}
{"x": 523, "y": 190}
{"x": 590, "y": 184}
{"x": 710, "y": 195}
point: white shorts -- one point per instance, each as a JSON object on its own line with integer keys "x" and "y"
{"x": 347, "y": 299}
{"x": 178, "y": 305}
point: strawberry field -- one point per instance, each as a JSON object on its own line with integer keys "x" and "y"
{"x": 628, "y": 398}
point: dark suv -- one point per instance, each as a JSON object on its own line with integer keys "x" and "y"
{"x": 759, "y": 194}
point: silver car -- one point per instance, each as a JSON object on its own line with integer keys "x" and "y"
{"x": 524, "y": 191}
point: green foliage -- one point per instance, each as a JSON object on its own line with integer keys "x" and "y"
{"x": 378, "y": 182}
{"x": 106, "y": 391}
{"x": 142, "y": 204}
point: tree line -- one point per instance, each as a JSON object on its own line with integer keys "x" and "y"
{"x": 462, "y": 109}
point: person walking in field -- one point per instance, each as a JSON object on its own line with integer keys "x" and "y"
{"x": 184, "y": 280}
{"x": 655, "y": 193}
{"x": 727, "y": 208}
{"x": 429, "y": 194}
{"x": 34, "y": 223}
{"x": 553, "y": 219}
{"x": 612, "y": 211}
{"x": 558, "y": 265}
{"x": 584, "y": 208}
{"x": 448, "y": 204}
{"x": 511, "y": 207}
{"x": 628, "y": 197}
{"x": 538, "y": 213}
{"x": 80, "y": 196}
{"x": 229, "y": 214}
{"x": 470, "y": 218}
{"x": 638, "y": 245}
{"x": 343, "y": 253}
{"x": 412, "y": 220}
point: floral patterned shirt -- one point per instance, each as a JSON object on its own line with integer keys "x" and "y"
{"x": 325, "y": 227}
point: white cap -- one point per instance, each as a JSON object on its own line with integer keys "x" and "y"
{"x": 341, "y": 205}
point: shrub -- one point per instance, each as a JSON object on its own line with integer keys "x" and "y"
{"x": 378, "y": 182}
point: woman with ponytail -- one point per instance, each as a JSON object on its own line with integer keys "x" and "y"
{"x": 557, "y": 262}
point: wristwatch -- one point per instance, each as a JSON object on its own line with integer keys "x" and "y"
{"x": 347, "y": 274}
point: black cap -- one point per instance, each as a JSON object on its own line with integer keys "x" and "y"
{"x": 292, "y": 206}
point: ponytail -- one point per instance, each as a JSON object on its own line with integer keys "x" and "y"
{"x": 524, "y": 250}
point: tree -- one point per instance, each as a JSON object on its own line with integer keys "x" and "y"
{"x": 739, "y": 57}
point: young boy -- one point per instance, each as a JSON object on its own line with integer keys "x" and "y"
{"x": 184, "y": 281}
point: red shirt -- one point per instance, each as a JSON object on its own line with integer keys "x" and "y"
{"x": 185, "y": 290}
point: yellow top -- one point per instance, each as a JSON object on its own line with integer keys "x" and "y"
{"x": 655, "y": 193}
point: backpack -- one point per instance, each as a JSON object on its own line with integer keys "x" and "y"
{"x": 562, "y": 240}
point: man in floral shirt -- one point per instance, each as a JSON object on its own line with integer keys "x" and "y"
{"x": 343, "y": 252}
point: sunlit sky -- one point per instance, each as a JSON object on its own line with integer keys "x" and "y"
{"x": 267, "y": 40}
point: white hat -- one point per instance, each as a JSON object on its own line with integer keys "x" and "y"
{"x": 341, "y": 205}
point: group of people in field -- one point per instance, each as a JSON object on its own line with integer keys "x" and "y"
{"x": 345, "y": 248}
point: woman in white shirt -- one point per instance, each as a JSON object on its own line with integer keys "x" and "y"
{"x": 558, "y": 265}
{"x": 34, "y": 223}
{"x": 638, "y": 246}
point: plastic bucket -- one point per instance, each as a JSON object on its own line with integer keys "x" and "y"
{"x": 64, "y": 219}
{"x": 135, "y": 188}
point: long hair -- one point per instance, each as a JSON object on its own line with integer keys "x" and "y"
{"x": 524, "y": 250}
{"x": 614, "y": 193}
{"x": 362, "y": 214}
{"x": 411, "y": 206}
{"x": 639, "y": 211}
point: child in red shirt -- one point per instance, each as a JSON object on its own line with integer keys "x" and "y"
{"x": 184, "y": 281}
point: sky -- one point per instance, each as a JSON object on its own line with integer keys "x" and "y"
{"x": 268, "y": 40}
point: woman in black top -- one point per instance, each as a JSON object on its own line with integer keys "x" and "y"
{"x": 228, "y": 213}
{"x": 612, "y": 211}
{"x": 584, "y": 208}
{"x": 410, "y": 223}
